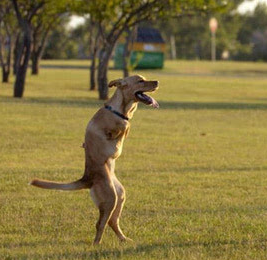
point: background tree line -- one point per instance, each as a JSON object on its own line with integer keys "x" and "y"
{"x": 244, "y": 36}
{"x": 35, "y": 29}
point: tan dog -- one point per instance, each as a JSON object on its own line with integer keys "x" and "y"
{"x": 104, "y": 137}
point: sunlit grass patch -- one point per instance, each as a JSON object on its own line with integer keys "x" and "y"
{"x": 194, "y": 170}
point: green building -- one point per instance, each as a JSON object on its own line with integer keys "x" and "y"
{"x": 147, "y": 50}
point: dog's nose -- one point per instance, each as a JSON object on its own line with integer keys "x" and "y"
{"x": 156, "y": 82}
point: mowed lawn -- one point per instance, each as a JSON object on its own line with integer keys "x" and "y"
{"x": 195, "y": 170}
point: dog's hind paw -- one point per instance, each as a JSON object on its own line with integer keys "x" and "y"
{"x": 127, "y": 239}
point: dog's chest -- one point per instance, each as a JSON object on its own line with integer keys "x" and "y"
{"x": 116, "y": 139}
{"x": 104, "y": 139}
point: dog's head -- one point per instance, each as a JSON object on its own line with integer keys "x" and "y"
{"x": 134, "y": 87}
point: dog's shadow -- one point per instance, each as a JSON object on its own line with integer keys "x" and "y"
{"x": 139, "y": 250}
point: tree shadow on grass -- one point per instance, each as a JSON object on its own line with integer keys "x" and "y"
{"x": 211, "y": 105}
{"x": 93, "y": 102}
{"x": 68, "y": 101}
{"x": 222, "y": 73}
{"x": 220, "y": 170}
{"x": 65, "y": 66}
{"x": 245, "y": 73}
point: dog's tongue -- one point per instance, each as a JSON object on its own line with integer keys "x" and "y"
{"x": 154, "y": 103}
{"x": 147, "y": 100}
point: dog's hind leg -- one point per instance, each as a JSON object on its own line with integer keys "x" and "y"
{"x": 104, "y": 195}
{"x": 114, "y": 220}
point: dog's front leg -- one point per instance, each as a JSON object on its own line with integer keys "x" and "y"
{"x": 120, "y": 131}
{"x": 113, "y": 134}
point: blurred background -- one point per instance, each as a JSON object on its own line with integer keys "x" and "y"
{"x": 242, "y": 34}
{"x": 135, "y": 34}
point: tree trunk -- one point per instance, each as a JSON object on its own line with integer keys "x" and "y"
{"x": 105, "y": 55}
{"x": 24, "y": 51}
{"x": 94, "y": 42}
{"x": 92, "y": 73}
{"x": 102, "y": 78}
{"x": 22, "y": 62}
{"x": 35, "y": 63}
{"x": 5, "y": 60}
{"x": 5, "y": 75}
{"x": 38, "y": 47}
{"x": 16, "y": 53}
{"x": 126, "y": 56}
{"x": 5, "y": 64}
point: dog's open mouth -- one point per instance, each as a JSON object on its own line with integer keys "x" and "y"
{"x": 140, "y": 96}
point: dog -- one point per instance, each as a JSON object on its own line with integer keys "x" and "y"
{"x": 104, "y": 137}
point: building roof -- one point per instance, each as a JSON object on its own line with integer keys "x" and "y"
{"x": 146, "y": 34}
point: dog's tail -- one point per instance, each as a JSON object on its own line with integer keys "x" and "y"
{"x": 76, "y": 185}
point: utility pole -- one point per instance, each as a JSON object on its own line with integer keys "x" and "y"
{"x": 213, "y": 28}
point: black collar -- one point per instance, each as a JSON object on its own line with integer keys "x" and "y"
{"x": 116, "y": 112}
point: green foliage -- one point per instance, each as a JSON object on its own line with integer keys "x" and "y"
{"x": 8, "y": 28}
{"x": 7, "y": 16}
{"x": 243, "y": 36}
{"x": 193, "y": 37}
{"x": 256, "y": 21}
{"x": 119, "y": 13}
{"x": 66, "y": 43}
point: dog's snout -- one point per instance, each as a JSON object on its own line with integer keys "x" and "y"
{"x": 155, "y": 82}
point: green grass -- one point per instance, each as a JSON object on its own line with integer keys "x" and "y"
{"x": 195, "y": 170}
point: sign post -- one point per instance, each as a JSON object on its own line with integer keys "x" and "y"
{"x": 213, "y": 28}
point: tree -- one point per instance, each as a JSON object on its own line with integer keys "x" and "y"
{"x": 127, "y": 50}
{"x": 95, "y": 45}
{"x": 253, "y": 35}
{"x": 51, "y": 14}
{"x": 114, "y": 16}
{"x": 41, "y": 26}
{"x": 192, "y": 34}
{"x": 188, "y": 35}
{"x": 89, "y": 34}
{"x": 25, "y": 11}
{"x": 60, "y": 43}
{"x": 48, "y": 12}
{"x": 7, "y": 37}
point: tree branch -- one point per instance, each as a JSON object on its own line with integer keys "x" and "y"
{"x": 18, "y": 14}
{"x": 121, "y": 26}
{"x": 1, "y": 55}
{"x": 34, "y": 10}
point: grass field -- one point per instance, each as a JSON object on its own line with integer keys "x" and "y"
{"x": 195, "y": 170}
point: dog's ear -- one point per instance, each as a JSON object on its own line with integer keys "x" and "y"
{"x": 117, "y": 83}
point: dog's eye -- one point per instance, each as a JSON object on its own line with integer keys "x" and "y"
{"x": 141, "y": 81}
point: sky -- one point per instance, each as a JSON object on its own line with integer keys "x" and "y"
{"x": 77, "y": 20}
{"x": 247, "y": 6}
